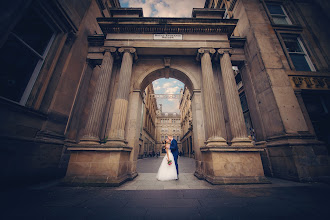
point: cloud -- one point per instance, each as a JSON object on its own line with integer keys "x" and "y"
{"x": 168, "y": 86}
{"x": 157, "y": 88}
{"x": 165, "y": 8}
{"x": 172, "y": 90}
{"x": 171, "y": 106}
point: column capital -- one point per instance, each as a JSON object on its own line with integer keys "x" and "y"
{"x": 127, "y": 50}
{"x": 130, "y": 50}
{"x": 206, "y": 50}
{"x": 202, "y": 51}
{"x": 108, "y": 49}
{"x": 222, "y": 51}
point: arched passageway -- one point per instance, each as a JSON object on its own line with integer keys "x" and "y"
{"x": 136, "y": 100}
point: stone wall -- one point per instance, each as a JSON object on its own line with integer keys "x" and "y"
{"x": 291, "y": 149}
{"x": 32, "y": 136}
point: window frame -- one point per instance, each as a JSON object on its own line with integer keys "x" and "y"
{"x": 303, "y": 47}
{"x": 42, "y": 57}
{"x": 36, "y": 72}
{"x": 271, "y": 16}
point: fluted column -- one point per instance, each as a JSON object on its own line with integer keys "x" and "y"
{"x": 236, "y": 118}
{"x": 214, "y": 116}
{"x": 117, "y": 129}
{"x": 92, "y": 128}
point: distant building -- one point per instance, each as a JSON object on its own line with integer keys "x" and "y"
{"x": 168, "y": 123}
{"x": 186, "y": 124}
{"x": 149, "y": 123}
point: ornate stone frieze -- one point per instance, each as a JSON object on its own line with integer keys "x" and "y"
{"x": 310, "y": 82}
{"x": 167, "y": 26}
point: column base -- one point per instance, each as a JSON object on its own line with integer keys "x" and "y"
{"x": 98, "y": 166}
{"x": 89, "y": 140}
{"x": 116, "y": 142}
{"x": 237, "y": 142}
{"x": 216, "y": 141}
{"x": 232, "y": 165}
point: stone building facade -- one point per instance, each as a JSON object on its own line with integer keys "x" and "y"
{"x": 72, "y": 97}
{"x": 186, "y": 123}
{"x": 168, "y": 123}
{"x": 43, "y": 50}
{"x": 286, "y": 64}
{"x": 149, "y": 123}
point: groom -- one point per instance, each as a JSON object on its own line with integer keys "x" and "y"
{"x": 175, "y": 152}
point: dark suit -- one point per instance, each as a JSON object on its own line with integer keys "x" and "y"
{"x": 175, "y": 152}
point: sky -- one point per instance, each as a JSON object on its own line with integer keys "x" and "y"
{"x": 164, "y": 8}
{"x": 168, "y": 86}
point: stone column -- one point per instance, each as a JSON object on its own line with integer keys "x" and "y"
{"x": 117, "y": 129}
{"x": 214, "y": 116}
{"x": 236, "y": 119}
{"x": 94, "y": 121}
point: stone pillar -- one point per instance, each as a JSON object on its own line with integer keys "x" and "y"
{"x": 236, "y": 119}
{"x": 94, "y": 121}
{"x": 117, "y": 129}
{"x": 198, "y": 130}
{"x": 214, "y": 116}
{"x": 133, "y": 127}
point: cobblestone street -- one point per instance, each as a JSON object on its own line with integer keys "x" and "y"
{"x": 187, "y": 198}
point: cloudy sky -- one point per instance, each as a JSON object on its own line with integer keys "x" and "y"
{"x": 168, "y": 86}
{"x": 164, "y": 8}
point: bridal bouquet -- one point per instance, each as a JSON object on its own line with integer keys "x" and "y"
{"x": 169, "y": 162}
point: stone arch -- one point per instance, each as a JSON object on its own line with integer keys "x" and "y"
{"x": 141, "y": 81}
{"x": 175, "y": 72}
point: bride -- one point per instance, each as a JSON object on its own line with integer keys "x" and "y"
{"x": 167, "y": 169}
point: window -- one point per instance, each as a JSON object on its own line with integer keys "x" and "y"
{"x": 247, "y": 117}
{"x": 278, "y": 14}
{"x": 22, "y": 56}
{"x": 238, "y": 77}
{"x": 297, "y": 53}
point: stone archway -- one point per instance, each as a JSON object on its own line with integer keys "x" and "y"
{"x": 135, "y": 108}
{"x": 221, "y": 158}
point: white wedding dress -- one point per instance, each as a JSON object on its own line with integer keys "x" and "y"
{"x": 165, "y": 171}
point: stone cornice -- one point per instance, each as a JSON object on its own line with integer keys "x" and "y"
{"x": 96, "y": 40}
{"x": 167, "y": 25}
